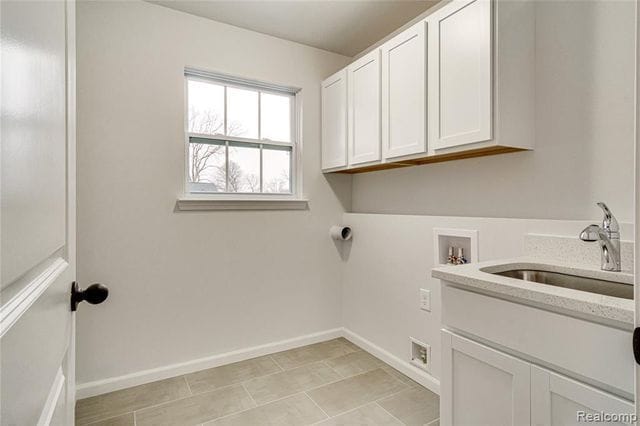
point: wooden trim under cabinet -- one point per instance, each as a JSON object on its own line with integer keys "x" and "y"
{"x": 437, "y": 158}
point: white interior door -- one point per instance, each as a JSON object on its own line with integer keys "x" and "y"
{"x": 37, "y": 212}
{"x": 636, "y": 295}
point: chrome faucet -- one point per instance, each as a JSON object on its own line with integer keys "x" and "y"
{"x": 608, "y": 235}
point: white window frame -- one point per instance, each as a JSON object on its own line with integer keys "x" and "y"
{"x": 246, "y": 201}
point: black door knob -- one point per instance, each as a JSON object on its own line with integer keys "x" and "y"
{"x": 636, "y": 344}
{"x": 94, "y": 294}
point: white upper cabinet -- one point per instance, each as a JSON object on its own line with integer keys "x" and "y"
{"x": 458, "y": 84}
{"x": 404, "y": 93}
{"x": 460, "y": 53}
{"x": 364, "y": 109}
{"x": 334, "y": 121}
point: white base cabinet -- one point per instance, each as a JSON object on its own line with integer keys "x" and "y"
{"x": 560, "y": 401}
{"x": 484, "y": 386}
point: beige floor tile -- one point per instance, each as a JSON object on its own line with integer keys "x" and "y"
{"x": 336, "y": 398}
{"x": 350, "y": 344}
{"x": 197, "y": 409}
{"x": 294, "y": 410}
{"x": 337, "y": 376}
{"x": 317, "y": 352}
{"x": 124, "y": 420}
{"x": 214, "y": 378}
{"x": 127, "y": 400}
{"x": 398, "y": 375}
{"x": 354, "y": 363}
{"x": 435, "y": 423}
{"x": 415, "y": 406}
{"x": 370, "y": 414}
{"x": 288, "y": 382}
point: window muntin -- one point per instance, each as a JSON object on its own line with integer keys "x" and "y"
{"x": 241, "y": 138}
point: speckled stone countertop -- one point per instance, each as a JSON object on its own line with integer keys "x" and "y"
{"x": 479, "y": 276}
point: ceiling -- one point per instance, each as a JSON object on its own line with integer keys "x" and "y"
{"x": 341, "y": 26}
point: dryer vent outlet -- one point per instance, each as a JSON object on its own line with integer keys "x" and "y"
{"x": 420, "y": 354}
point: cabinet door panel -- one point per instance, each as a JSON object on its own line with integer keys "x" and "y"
{"x": 364, "y": 109}
{"x": 482, "y": 386}
{"x": 557, "y": 400}
{"x": 461, "y": 73}
{"x": 334, "y": 121}
{"x": 404, "y": 93}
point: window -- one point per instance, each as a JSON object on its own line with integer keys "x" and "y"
{"x": 241, "y": 137}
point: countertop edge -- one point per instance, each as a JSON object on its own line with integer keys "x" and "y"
{"x": 563, "y": 299}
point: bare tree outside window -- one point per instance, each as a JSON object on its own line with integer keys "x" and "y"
{"x": 252, "y": 182}
{"x": 203, "y": 122}
{"x": 278, "y": 184}
{"x": 207, "y": 123}
{"x": 200, "y": 158}
{"x": 234, "y": 177}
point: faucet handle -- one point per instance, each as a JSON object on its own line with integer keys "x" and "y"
{"x": 609, "y": 222}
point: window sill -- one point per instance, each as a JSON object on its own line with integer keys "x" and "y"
{"x": 203, "y": 204}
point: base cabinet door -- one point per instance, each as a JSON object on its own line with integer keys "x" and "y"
{"x": 482, "y": 386}
{"x": 334, "y": 121}
{"x": 559, "y": 401}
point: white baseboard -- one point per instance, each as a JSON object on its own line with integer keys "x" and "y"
{"x": 405, "y": 367}
{"x": 98, "y": 387}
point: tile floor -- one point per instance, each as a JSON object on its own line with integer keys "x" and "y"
{"x": 328, "y": 383}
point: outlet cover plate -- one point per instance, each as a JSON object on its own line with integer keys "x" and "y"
{"x": 425, "y": 300}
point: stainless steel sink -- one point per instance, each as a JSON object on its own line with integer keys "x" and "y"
{"x": 591, "y": 285}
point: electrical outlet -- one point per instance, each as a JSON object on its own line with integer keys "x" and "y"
{"x": 425, "y": 300}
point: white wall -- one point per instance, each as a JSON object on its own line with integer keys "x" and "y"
{"x": 188, "y": 285}
{"x": 584, "y": 133}
{"x": 390, "y": 259}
